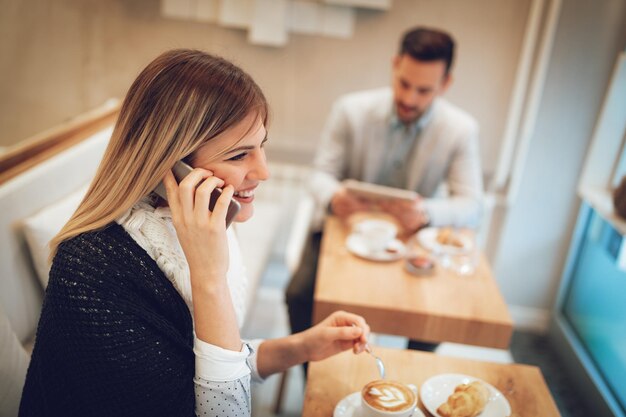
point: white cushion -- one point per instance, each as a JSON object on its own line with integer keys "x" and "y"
{"x": 13, "y": 366}
{"x": 41, "y": 227}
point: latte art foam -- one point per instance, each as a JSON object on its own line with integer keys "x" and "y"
{"x": 388, "y": 395}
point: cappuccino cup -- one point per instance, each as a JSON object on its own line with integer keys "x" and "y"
{"x": 376, "y": 235}
{"x": 385, "y": 398}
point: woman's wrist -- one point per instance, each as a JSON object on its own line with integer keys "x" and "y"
{"x": 215, "y": 321}
{"x": 201, "y": 277}
{"x": 209, "y": 287}
{"x": 278, "y": 355}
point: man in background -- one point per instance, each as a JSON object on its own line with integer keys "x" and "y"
{"x": 406, "y": 136}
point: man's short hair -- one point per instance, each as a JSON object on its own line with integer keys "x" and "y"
{"x": 426, "y": 44}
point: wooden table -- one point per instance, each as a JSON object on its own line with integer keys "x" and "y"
{"x": 332, "y": 379}
{"x": 444, "y": 307}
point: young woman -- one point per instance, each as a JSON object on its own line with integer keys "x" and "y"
{"x": 142, "y": 312}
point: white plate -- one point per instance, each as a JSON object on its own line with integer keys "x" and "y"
{"x": 436, "y": 390}
{"x": 357, "y": 246}
{"x": 350, "y": 406}
{"x": 428, "y": 239}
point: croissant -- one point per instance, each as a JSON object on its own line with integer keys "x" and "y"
{"x": 468, "y": 400}
{"x": 447, "y": 236}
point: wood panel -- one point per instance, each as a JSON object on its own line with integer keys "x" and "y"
{"x": 38, "y": 148}
{"x": 332, "y": 379}
{"x": 444, "y": 307}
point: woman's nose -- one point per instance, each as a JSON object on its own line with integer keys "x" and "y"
{"x": 260, "y": 170}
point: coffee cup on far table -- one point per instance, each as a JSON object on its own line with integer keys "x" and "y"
{"x": 376, "y": 235}
{"x": 385, "y": 398}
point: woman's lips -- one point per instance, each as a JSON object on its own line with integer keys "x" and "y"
{"x": 245, "y": 196}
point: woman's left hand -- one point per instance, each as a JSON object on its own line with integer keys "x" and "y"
{"x": 338, "y": 332}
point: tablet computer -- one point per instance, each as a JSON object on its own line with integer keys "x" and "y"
{"x": 377, "y": 192}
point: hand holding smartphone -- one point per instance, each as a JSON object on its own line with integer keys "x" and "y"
{"x": 181, "y": 170}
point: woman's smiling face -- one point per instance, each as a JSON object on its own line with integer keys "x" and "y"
{"x": 243, "y": 165}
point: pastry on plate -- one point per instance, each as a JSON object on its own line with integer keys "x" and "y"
{"x": 467, "y": 400}
{"x": 449, "y": 237}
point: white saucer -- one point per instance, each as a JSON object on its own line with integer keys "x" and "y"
{"x": 436, "y": 390}
{"x": 350, "y": 406}
{"x": 355, "y": 245}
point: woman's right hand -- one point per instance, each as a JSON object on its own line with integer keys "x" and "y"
{"x": 201, "y": 233}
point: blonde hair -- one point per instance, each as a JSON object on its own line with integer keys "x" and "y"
{"x": 181, "y": 100}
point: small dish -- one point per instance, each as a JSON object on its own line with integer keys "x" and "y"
{"x": 420, "y": 265}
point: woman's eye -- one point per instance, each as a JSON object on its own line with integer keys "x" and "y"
{"x": 238, "y": 157}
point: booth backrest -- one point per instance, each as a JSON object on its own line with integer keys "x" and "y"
{"x": 34, "y": 175}
{"x": 21, "y": 197}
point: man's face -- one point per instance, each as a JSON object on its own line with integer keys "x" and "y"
{"x": 416, "y": 84}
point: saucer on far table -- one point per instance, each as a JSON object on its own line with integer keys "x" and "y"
{"x": 395, "y": 249}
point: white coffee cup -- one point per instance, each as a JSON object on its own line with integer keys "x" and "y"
{"x": 386, "y": 398}
{"x": 375, "y": 234}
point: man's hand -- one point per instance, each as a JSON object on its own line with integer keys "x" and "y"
{"x": 344, "y": 204}
{"x": 411, "y": 214}
{"x": 338, "y": 332}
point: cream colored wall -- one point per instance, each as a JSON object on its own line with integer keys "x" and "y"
{"x": 59, "y": 58}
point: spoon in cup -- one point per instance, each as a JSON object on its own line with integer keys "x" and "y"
{"x": 379, "y": 362}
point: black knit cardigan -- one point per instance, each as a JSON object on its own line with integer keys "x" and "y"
{"x": 114, "y": 337}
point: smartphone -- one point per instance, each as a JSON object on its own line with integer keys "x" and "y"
{"x": 181, "y": 170}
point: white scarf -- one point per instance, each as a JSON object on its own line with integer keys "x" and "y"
{"x": 153, "y": 230}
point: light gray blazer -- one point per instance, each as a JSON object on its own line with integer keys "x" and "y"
{"x": 446, "y": 153}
